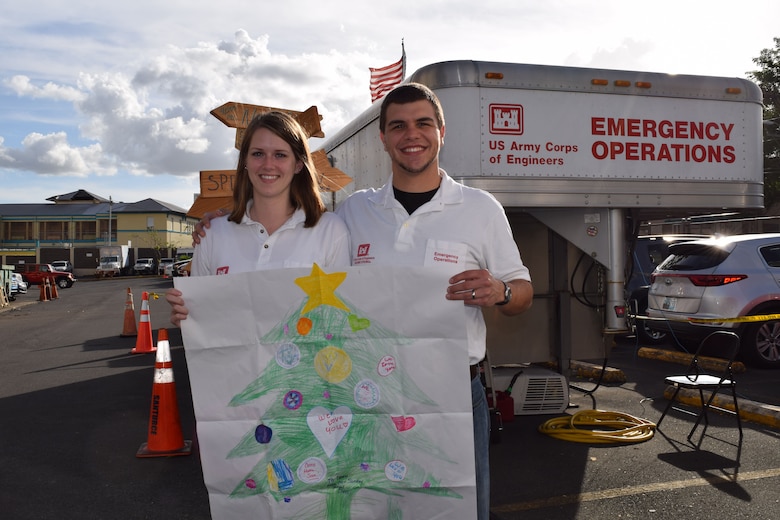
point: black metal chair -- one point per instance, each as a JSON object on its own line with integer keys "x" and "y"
{"x": 721, "y": 344}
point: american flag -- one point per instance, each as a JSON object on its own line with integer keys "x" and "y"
{"x": 385, "y": 78}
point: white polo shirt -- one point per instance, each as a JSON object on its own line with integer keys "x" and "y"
{"x": 460, "y": 228}
{"x": 235, "y": 248}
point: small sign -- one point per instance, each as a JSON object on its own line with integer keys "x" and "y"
{"x": 239, "y": 115}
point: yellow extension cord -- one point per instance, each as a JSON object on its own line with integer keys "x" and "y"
{"x": 599, "y": 427}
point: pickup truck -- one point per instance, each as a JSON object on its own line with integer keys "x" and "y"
{"x": 145, "y": 266}
{"x": 35, "y": 274}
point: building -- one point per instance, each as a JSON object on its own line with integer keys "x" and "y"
{"x": 75, "y": 225}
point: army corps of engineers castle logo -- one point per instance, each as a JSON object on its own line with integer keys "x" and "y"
{"x": 506, "y": 119}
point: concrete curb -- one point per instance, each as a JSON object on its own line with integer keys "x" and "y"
{"x": 16, "y": 305}
{"x": 593, "y": 371}
{"x": 683, "y": 358}
{"x": 752, "y": 411}
{"x": 766, "y": 414}
{"x": 587, "y": 370}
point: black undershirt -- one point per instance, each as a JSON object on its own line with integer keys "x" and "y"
{"x": 412, "y": 201}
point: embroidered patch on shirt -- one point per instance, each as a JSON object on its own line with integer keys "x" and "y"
{"x": 363, "y": 256}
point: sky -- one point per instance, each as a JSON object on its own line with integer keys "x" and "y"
{"x": 115, "y": 98}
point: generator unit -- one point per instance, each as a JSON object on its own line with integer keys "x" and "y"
{"x": 535, "y": 391}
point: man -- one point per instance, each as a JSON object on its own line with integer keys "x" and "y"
{"x": 422, "y": 217}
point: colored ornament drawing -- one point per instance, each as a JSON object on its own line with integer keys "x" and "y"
{"x": 333, "y": 364}
{"x": 329, "y": 428}
{"x": 338, "y": 395}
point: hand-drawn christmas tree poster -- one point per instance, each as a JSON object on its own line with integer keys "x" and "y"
{"x": 331, "y": 395}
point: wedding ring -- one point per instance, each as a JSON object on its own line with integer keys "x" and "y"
{"x": 473, "y": 294}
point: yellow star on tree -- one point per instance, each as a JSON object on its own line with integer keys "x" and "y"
{"x": 321, "y": 286}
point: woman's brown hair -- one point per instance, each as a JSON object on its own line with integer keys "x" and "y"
{"x": 304, "y": 189}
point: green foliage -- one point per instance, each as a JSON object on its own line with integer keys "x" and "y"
{"x": 768, "y": 80}
{"x": 154, "y": 239}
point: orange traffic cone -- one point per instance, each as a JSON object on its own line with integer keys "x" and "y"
{"x": 165, "y": 437}
{"x": 44, "y": 296}
{"x": 55, "y": 295}
{"x": 129, "y": 328}
{"x": 143, "y": 344}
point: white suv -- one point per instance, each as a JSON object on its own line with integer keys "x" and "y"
{"x": 729, "y": 278}
{"x": 62, "y": 265}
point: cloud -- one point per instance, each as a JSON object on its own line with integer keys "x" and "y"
{"x": 22, "y": 87}
{"x": 52, "y": 155}
{"x": 155, "y": 119}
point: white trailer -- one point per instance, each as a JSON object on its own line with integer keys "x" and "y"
{"x": 578, "y": 157}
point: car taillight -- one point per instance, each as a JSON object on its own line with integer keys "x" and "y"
{"x": 704, "y": 280}
{"x": 713, "y": 280}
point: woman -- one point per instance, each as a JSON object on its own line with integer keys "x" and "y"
{"x": 278, "y": 218}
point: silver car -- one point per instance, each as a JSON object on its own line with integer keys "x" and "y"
{"x": 18, "y": 286}
{"x": 726, "y": 278}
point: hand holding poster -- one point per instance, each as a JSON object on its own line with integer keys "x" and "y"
{"x": 337, "y": 395}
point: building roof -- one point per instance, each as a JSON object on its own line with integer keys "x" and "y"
{"x": 152, "y": 206}
{"x": 77, "y": 196}
{"x": 83, "y": 203}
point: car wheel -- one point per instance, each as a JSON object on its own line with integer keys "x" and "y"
{"x": 761, "y": 344}
{"x": 62, "y": 283}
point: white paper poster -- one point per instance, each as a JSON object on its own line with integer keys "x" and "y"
{"x": 331, "y": 395}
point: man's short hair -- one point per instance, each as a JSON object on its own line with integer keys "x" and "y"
{"x": 409, "y": 93}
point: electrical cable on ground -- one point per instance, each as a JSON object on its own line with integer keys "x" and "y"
{"x": 599, "y": 427}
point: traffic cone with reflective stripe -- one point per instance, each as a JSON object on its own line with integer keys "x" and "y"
{"x": 165, "y": 437}
{"x": 129, "y": 328}
{"x": 44, "y": 296}
{"x": 143, "y": 344}
{"x": 55, "y": 295}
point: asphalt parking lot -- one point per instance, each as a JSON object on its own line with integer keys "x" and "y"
{"x": 75, "y": 405}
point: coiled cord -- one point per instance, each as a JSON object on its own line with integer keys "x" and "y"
{"x": 599, "y": 427}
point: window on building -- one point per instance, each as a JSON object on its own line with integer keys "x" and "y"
{"x": 18, "y": 231}
{"x": 53, "y": 231}
{"x": 103, "y": 231}
{"x": 86, "y": 230}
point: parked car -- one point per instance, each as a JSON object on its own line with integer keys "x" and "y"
{"x": 35, "y": 274}
{"x": 170, "y": 270}
{"x": 62, "y": 265}
{"x": 727, "y": 277}
{"x": 185, "y": 268}
{"x": 164, "y": 262}
{"x": 175, "y": 269}
{"x": 18, "y": 286}
{"x": 145, "y": 266}
{"x": 648, "y": 251}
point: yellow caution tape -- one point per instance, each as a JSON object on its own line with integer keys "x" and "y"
{"x": 740, "y": 319}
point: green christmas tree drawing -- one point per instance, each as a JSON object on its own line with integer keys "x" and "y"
{"x": 335, "y": 425}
